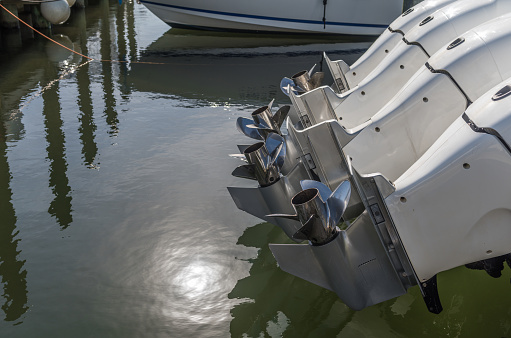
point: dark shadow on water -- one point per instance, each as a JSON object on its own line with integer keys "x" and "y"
{"x": 230, "y": 69}
{"x": 87, "y": 127}
{"x": 60, "y": 206}
{"x": 276, "y": 303}
{"x": 13, "y": 275}
{"x": 223, "y": 39}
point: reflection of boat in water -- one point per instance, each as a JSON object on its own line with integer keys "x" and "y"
{"x": 368, "y": 17}
{"x": 275, "y": 304}
{"x": 270, "y": 295}
{"x": 228, "y": 67}
{"x": 415, "y": 156}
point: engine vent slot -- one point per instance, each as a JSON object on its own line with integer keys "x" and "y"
{"x": 504, "y": 92}
{"x": 425, "y": 21}
{"x": 456, "y": 43}
{"x": 407, "y": 12}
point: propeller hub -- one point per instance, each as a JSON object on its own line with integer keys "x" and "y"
{"x": 265, "y": 171}
{"x": 301, "y": 79}
{"x": 307, "y": 203}
{"x": 313, "y": 214}
{"x": 305, "y": 82}
{"x": 264, "y": 116}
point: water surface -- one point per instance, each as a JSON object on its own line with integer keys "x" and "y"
{"x": 115, "y": 217}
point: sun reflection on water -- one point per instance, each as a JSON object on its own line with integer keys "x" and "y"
{"x": 189, "y": 287}
{"x": 195, "y": 294}
{"x": 199, "y": 279}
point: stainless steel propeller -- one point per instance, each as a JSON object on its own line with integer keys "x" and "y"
{"x": 263, "y": 122}
{"x": 302, "y": 82}
{"x": 319, "y": 210}
{"x": 265, "y": 159}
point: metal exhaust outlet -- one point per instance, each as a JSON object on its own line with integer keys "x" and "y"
{"x": 313, "y": 214}
{"x": 265, "y": 170}
{"x": 305, "y": 82}
{"x": 319, "y": 210}
{"x": 264, "y": 116}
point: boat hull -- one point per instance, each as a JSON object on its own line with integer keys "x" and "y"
{"x": 345, "y": 17}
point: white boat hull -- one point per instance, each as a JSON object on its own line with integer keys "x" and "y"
{"x": 369, "y": 17}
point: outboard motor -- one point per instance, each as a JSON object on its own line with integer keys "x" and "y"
{"x": 410, "y": 123}
{"x": 438, "y": 93}
{"x": 347, "y": 77}
{"x": 451, "y": 208}
{"x": 466, "y": 170}
{"x": 316, "y": 155}
{"x": 448, "y": 83}
{"x": 359, "y": 104}
{"x": 353, "y": 262}
{"x": 406, "y": 127}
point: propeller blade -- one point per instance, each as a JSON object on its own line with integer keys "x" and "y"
{"x": 273, "y": 156}
{"x": 286, "y": 85}
{"x": 242, "y": 124}
{"x": 277, "y": 148}
{"x": 305, "y": 231}
{"x": 245, "y": 171}
{"x": 313, "y": 231}
{"x": 316, "y": 79}
{"x": 262, "y": 129}
{"x": 242, "y": 147}
{"x": 270, "y": 104}
{"x": 324, "y": 191}
{"x": 281, "y": 115}
{"x": 312, "y": 69}
{"x": 281, "y": 157}
{"x": 338, "y": 201}
{"x": 292, "y": 217}
{"x": 273, "y": 143}
{"x": 265, "y": 132}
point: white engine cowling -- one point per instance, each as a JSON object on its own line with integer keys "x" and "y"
{"x": 389, "y": 39}
{"x": 357, "y": 105}
{"x": 453, "y": 206}
{"x": 431, "y": 100}
{"x": 409, "y": 55}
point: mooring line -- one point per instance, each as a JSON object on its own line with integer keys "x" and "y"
{"x": 35, "y": 30}
{"x": 119, "y": 61}
{"x": 64, "y": 74}
{"x": 48, "y": 86}
{"x": 71, "y": 50}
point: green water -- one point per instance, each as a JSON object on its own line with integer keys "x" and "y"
{"x": 115, "y": 220}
